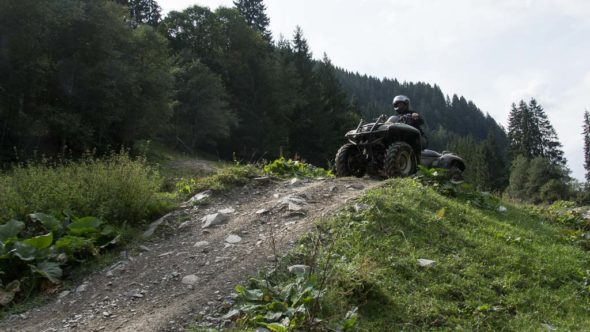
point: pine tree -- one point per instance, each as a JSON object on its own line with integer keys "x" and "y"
{"x": 524, "y": 135}
{"x": 143, "y": 11}
{"x": 254, "y": 11}
{"x": 530, "y": 134}
{"x": 586, "y": 134}
{"x": 302, "y": 54}
{"x": 532, "y": 137}
{"x": 551, "y": 148}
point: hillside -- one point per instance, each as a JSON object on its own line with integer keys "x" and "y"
{"x": 408, "y": 258}
{"x": 371, "y": 255}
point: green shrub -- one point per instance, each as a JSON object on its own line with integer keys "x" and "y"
{"x": 226, "y": 178}
{"x": 292, "y": 168}
{"x": 439, "y": 180}
{"x": 117, "y": 188}
{"x": 565, "y": 213}
{"x": 38, "y": 249}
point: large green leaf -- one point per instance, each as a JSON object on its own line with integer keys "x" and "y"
{"x": 275, "y": 327}
{"x": 73, "y": 244}
{"x": 50, "y": 222}
{"x": 10, "y": 229}
{"x": 350, "y": 320}
{"x": 84, "y": 226}
{"x": 24, "y": 251}
{"x": 250, "y": 294}
{"x": 49, "y": 270}
{"x": 273, "y": 316}
{"x": 41, "y": 241}
{"x": 253, "y": 294}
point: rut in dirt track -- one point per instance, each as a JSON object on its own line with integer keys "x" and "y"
{"x": 186, "y": 272}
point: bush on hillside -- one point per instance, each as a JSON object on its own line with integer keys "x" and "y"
{"x": 226, "y": 178}
{"x": 292, "y": 168}
{"x": 117, "y": 188}
{"x": 38, "y": 250}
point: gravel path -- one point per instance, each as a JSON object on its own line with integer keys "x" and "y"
{"x": 185, "y": 273}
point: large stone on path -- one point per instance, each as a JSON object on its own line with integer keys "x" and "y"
{"x": 190, "y": 279}
{"x": 214, "y": 220}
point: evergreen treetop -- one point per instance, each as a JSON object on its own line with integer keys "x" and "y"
{"x": 143, "y": 11}
{"x": 254, "y": 11}
{"x": 530, "y": 134}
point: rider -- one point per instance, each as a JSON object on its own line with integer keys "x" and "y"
{"x": 401, "y": 104}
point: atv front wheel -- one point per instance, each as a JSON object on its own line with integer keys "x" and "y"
{"x": 455, "y": 174}
{"x": 399, "y": 160}
{"x": 350, "y": 161}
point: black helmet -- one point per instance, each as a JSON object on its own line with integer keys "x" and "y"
{"x": 400, "y": 99}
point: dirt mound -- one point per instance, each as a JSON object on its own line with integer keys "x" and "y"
{"x": 199, "y": 253}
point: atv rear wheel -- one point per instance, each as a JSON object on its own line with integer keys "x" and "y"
{"x": 350, "y": 161}
{"x": 399, "y": 160}
{"x": 455, "y": 174}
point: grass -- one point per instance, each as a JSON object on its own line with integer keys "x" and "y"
{"x": 226, "y": 178}
{"x": 512, "y": 271}
{"x": 120, "y": 190}
{"x": 117, "y": 188}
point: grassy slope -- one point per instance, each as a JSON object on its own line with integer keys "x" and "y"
{"x": 494, "y": 271}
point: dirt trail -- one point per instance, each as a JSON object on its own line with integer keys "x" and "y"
{"x": 187, "y": 272}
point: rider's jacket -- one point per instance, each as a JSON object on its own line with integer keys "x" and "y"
{"x": 416, "y": 123}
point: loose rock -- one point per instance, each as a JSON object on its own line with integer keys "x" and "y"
{"x": 262, "y": 211}
{"x": 233, "y": 239}
{"x": 292, "y": 199}
{"x": 153, "y": 226}
{"x": 186, "y": 224}
{"x": 82, "y": 288}
{"x": 190, "y": 279}
{"x": 426, "y": 262}
{"x": 213, "y": 220}
{"x": 295, "y": 207}
{"x": 200, "y": 196}
{"x": 227, "y": 211}
{"x": 201, "y": 244}
{"x": 356, "y": 186}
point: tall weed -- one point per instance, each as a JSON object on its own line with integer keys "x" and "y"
{"x": 116, "y": 188}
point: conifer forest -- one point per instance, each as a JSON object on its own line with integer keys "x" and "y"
{"x": 78, "y": 75}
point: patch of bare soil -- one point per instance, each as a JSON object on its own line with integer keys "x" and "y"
{"x": 185, "y": 271}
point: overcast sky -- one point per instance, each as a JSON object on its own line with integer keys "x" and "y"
{"x": 493, "y": 52}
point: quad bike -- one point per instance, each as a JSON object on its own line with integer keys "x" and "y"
{"x": 390, "y": 148}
